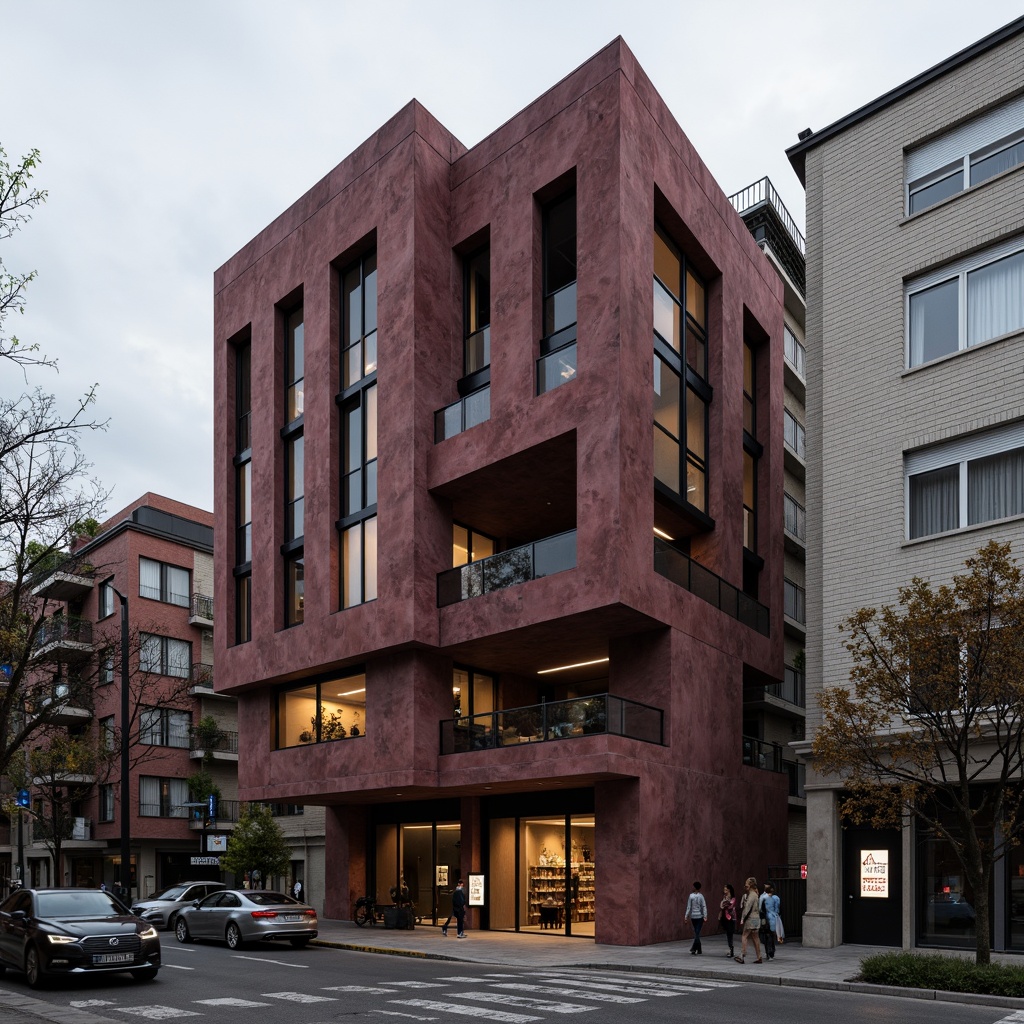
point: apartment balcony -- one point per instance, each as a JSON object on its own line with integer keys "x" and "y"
{"x": 221, "y": 747}
{"x": 797, "y": 773}
{"x": 65, "y": 638}
{"x": 202, "y": 680}
{"x": 517, "y": 565}
{"x": 65, "y": 778}
{"x": 201, "y": 611}
{"x": 794, "y": 609}
{"x": 682, "y": 570}
{"x": 461, "y": 415}
{"x": 773, "y": 227}
{"x": 794, "y": 364}
{"x": 227, "y": 816}
{"x": 794, "y": 519}
{"x": 762, "y": 754}
{"x": 602, "y": 714}
{"x": 68, "y": 703}
{"x": 63, "y": 584}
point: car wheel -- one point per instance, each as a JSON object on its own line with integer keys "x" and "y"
{"x": 172, "y": 921}
{"x": 144, "y": 974}
{"x": 33, "y": 968}
{"x": 181, "y": 931}
{"x": 234, "y": 936}
{"x": 299, "y": 943}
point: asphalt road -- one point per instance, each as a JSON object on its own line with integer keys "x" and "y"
{"x": 275, "y": 984}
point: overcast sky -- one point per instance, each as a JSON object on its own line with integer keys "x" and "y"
{"x": 171, "y": 133}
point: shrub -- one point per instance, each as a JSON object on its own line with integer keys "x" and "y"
{"x": 943, "y": 973}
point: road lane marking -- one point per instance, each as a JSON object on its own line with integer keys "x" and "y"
{"x": 265, "y": 960}
{"x": 524, "y": 1001}
{"x": 395, "y": 1013}
{"x": 81, "y": 1004}
{"x": 176, "y": 967}
{"x": 371, "y": 989}
{"x": 298, "y": 997}
{"x": 418, "y": 984}
{"x": 157, "y": 1012}
{"x": 572, "y": 992}
{"x": 467, "y": 1011}
{"x": 227, "y": 1001}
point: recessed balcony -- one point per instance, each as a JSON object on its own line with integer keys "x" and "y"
{"x": 222, "y": 746}
{"x": 201, "y": 611}
{"x": 64, "y": 638}
{"x": 517, "y": 565}
{"x": 601, "y": 714}
{"x": 68, "y": 703}
{"x": 762, "y": 754}
{"x": 63, "y": 585}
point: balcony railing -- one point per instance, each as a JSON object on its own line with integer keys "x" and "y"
{"x": 202, "y": 676}
{"x": 461, "y": 415}
{"x": 703, "y": 583}
{"x": 763, "y": 191}
{"x": 223, "y": 742}
{"x": 517, "y": 565}
{"x": 202, "y": 608}
{"x": 69, "y": 699}
{"x": 794, "y": 351}
{"x": 762, "y": 754}
{"x": 794, "y": 602}
{"x": 791, "y": 689}
{"x": 64, "y": 630}
{"x": 227, "y": 813}
{"x": 797, "y": 777}
{"x": 794, "y": 516}
{"x": 557, "y": 364}
{"x": 554, "y": 720}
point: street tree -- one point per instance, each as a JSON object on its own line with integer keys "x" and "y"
{"x": 931, "y": 726}
{"x": 257, "y": 844}
{"x": 47, "y": 496}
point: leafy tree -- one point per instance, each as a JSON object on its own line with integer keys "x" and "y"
{"x": 257, "y": 844}
{"x": 932, "y": 726}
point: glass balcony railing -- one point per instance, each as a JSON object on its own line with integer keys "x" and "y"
{"x": 797, "y": 777}
{"x": 555, "y": 720}
{"x": 762, "y": 754}
{"x": 794, "y": 517}
{"x": 517, "y": 565}
{"x": 791, "y": 689}
{"x": 461, "y": 415}
{"x": 692, "y": 576}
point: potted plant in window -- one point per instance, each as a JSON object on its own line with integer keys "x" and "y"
{"x": 331, "y": 727}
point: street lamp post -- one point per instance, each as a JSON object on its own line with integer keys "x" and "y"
{"x": 126, "y": 833}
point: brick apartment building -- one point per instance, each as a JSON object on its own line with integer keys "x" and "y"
{"x": 915, "y": 446}
{"x": 158, "y": 553}
{"x": 495, "y": 604}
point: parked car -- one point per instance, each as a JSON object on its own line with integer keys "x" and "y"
{"x": 161, "y": 909}
{"x": 66, "y": 932}
{"x": 237, "y": 916}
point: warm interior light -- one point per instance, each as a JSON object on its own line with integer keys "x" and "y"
{"x": 352, "y": 693}
{"x": 662, "y": 534}
{"x": 578, "y": 664}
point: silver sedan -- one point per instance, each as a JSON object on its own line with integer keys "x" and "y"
{"x": 237, "y": 916}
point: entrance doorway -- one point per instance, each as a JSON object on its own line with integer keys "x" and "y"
{"x": 872, "y": 886}
{"x": 419, "y": 862}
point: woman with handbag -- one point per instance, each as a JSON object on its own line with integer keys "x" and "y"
{"x": 727, "y": 914}
{"x": 769, "y": 905}
{"x": 750, "y": 921}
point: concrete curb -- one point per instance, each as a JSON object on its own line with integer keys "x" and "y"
{"x": 862, "y": 987}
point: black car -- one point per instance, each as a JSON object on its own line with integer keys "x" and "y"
{"x": 50, "y": 933}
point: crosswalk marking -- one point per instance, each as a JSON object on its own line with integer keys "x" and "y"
{"x": 418, "y": 984}
{"x": 396, "y": 1013}
{"x": 227, "y": 1001}
{"x": 157, "y": 1012}
{"x": 573, "y": 992}
{"x": 467, "y": 1011}
{"x": 368, "y": 989}
{"x": 298, "y": 997}
{"x": 524, "y": 1001}
{"x": 82, "y": 1004}
{"x": 642, "y": 989}
{"x": 669, "y": 980}
{"x": 1015, "y": 1018}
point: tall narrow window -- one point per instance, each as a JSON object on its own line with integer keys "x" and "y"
{"x": 681, "y": 391}
{"x": 751, "y": 449}
{"x": 243, "y": 492}
{"x": 358, "y": 407}
{"x": 477, "y": 329}
{"x": 557, "y": 363}
{"x": 294, "y": 467}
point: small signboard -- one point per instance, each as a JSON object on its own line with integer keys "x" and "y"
{"x": 211, "y": 862}
{"x": 476, "y": 890}
{"x": 216, "y": 844}
{"x": 442, "y": 874}
{"x": 874, "y": 873}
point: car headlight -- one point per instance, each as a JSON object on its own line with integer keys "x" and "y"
{"x": 148, "y": 933}
{"x": 60, "y": 940}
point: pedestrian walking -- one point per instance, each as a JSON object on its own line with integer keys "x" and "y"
{"x": 458, "y": 912}
{"x": 696, "y": 914}
{"x": 750, "y": 921}
{"x": 769, "y": 909}
{"x": 727, "y": 914}
{"x": 297, "y": 890}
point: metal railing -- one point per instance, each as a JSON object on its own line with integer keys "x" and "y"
{"x": 71, "y": 693}
{"x": 793, "y": 434}
{"x": 226, "y": 742}
{"x": 64, "y": 629}
{"x": 703, "y": 583}
{"x": 797, "y": 773}
{"x": 517, "y": 565}
{"x": 554, "y": 720}
{"x": 762, "y": 754}
{"x": 791, "y": 689}
{"x": 794, "y": 351}
{"x": 202, "y": 606}
{"x": 202, "y": 676}
{"x": 461, "y": 415}
{"x": 227, "y": 811}
{"x": 794, "y": 602}
{"x": 794, "y": 517}
{"x": 763, "y": 191}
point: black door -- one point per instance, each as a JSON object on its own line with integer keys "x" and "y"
{"x": 872, "y": 886}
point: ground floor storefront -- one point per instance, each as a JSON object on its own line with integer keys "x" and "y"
{"x": 900, "y": 887}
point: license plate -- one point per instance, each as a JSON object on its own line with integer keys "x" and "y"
{"x": 293, "y": 917}
{"x": 113, "y": 958}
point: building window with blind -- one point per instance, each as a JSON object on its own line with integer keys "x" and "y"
{"x": 165, "y": 655}
{"x": 357, "y": 403}
{"x": 105, "y": 606}
{"x": 968, "y": 482}
{"x": 243, "y": 492}
{"x": 162, "y": 798}
{"x": 968, "y": 303}
{"x": 106, "y": 802}
{"x": 557, "y": 363}
{"x": 161, "y": 582}
{"x": 682, "y": 393}
{"x": 164, "y": 727}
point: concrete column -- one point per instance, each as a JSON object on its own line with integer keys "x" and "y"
{"x": 822, "y": 923}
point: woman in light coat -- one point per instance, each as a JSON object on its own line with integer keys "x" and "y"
{"x": 750, "y": 920}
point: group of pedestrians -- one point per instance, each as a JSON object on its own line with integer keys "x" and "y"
{"x": 757, "y": 914}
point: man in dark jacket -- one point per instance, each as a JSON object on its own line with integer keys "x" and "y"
{"x": 459, "y": 912}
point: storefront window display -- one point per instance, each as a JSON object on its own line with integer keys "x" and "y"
{"x": 945, "y": 900}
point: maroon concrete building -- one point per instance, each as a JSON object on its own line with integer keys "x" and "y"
{"x": 498, "y": 613}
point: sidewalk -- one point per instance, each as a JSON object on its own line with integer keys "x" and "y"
{"x": 793, "y": 964}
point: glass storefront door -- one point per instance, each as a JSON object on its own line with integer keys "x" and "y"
{"x": 418, "y": 862}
